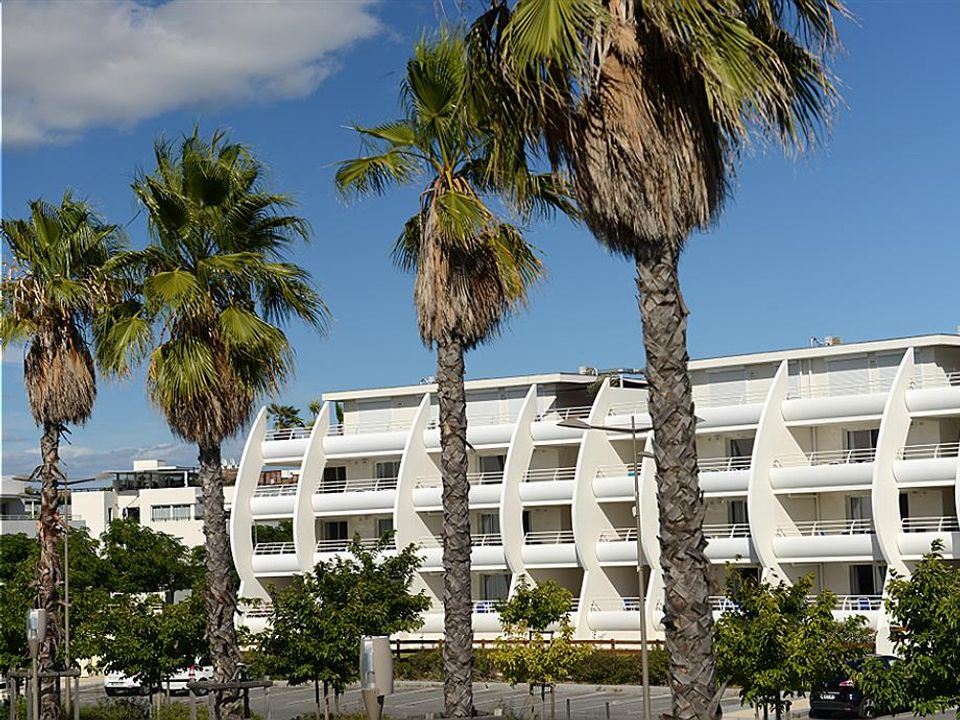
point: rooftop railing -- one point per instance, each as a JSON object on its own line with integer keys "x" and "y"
{"x": 356, "y": 485}
{"x": 275, "y": 490}
{"x": 812, "y": 528}
{"x": 838, "y": 388}
{"x": 619, "y": 535}
{"x": 474, "y": 478}
{"x": 726, "y": 530}
{"x": 929, "y": 451}
{"x": 288, "y": 433}
{"x": 827, "y": 457}
{"x": 615, "y": 604}
{"x": 719, "y": 464}
{"x": 274, "y": 548}
{"x": 548, "y": 537}
{"x": 946, "y": 523}
{"x": 549, "y": 474}
{"x": 564, "y": 413}
{"x": 935, "y": 380}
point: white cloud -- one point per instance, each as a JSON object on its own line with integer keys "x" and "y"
{"x": 70, "y": 65}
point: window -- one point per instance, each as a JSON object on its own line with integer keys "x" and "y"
{"x": 859, "y": 508}
{"x": 862, "y": 439}
{"x": 334, "y": 479}
{"x": 492, "y": 464}
{"x": 494, "y": 587}
{"x": 866, "y": 579}
{"x": 163, "y": 513}
{"x": 737, "y": 512}
{"x": 488, "y": 523}
{"x": 388, "y": 470}
{"x": 741, "y": 448}
{"x": 335, "y": 530}
{"x": 384, "y": 527}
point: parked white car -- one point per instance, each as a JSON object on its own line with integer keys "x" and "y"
{"x": 118, "y": 683}
{"x": 192, "y": 673}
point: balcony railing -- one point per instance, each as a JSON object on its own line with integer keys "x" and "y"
{"x": 619, "y": 535}
{"x": 288, "y": 433}
{"x": 707, "y": 399}
{"x": 947, "y": 523}
{"x": 813, "y": 528}
{"x": 854, "y": 603}
{"x": 929, "y": 451}
{"x": 476, "y": 540}
{"x": 838, "y": 389}
{"x": 615, "y": 604}
{"x": 728, "y": 530}
{"x": 367, "y": 426}
{"x": 735, "y": 462}
{"x": 503, "y": 418}
{"x": 263, "y": 611}
{"x": 275, "y": 490}
{"x": 549, "y": 474}
{"x": 548, "y": 537}
{"x": 949, "y": 379}
{"x": 474, "y": 478}
{"x": 356, "y": 485}
{"x": 721, "y": 603}
{"x": 827, "y": 457}
{"x": 564, "y": 413}
{"x": 637, "y": 407}
{"x": 343, "y": 545}
{"x": 274, "y": 548}
{"x": 614, "y": 471}
{"x": 486, "y": 607}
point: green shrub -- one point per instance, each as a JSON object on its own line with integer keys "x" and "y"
{"x": 603, "y": 667}
{"x": 122, "y": 709}
{"x": 428, "y": 665}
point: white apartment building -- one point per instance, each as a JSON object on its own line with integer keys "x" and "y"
{"x": 838, "y": 462}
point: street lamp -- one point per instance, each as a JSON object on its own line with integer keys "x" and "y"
{"x": 579, "y": 424}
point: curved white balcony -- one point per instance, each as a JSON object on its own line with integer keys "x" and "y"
{"x": 277, "y": 558}
{"x": 614, "y": 483}
{"x": 486, "y": 553}
{"x": 485, "y": 618}
{"x": 256, "y": 619}
{"x": 549, "y": 548}
{"x": 552, "y": 486}
{"x": 482, "y": 431}
{"x": 617, "y": 547}
{"x": 545, "y": 426}
{"x": 328, "y": 550}
{"x": 285, "y": 443}
{"x": 835, "y": 400}
{"x": 934, "y": 393}
{"x": 486, "y": 489}
{"x": 844, "y": 606}
{"x": 356, "y": 496}
{"x": 363, "y": 437}
{"x": 825, "y": 540}
{"x": 728, "y": 409}
{"x": 724, "y": 475}
{"x": 930, "y": 464}
{"x": 273, "y": 500}
{"x": 917, "y": 535}
{"x": 728, "y": 542}
{"x": 815, "y": 471}
{"x": 614, "y": 614}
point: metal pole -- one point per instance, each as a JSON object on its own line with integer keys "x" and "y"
{"x": 12, "y": 689}
{"x": 76, "y": 699}
{"x": 35, "y": 688}
{"x": 644, "y": 663}
{"x": 66, "y": 601}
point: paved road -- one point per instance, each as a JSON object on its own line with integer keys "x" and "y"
{"x": 420, "y": 700}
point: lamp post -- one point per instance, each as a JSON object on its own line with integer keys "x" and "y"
{"x": 578, "y": 424}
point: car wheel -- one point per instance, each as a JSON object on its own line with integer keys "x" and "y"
{"x": 867, "y": 709}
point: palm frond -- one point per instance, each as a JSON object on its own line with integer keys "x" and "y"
{"x": 373, "y": 174}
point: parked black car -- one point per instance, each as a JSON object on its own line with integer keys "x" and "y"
{"x": 840, "y": 695}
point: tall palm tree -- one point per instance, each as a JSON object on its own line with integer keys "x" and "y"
{"x": 54, "y": 285}
{"x": 285, "y": 416}
{"x": 647, "y": 104}
{"x": 471, "y": 271}
{"x": 216, "y": 290}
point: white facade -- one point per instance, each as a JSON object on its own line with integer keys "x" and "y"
{"x": 838, "y": 462}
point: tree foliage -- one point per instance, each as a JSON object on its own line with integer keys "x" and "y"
{"x": 317, "y": 620}
{"x": 924, "y": 612}
{"x": 527, "y": 652}
{"x": 776, "y": 641}
{"x": 285, "y": 416}
{"x": 125, "y": 547}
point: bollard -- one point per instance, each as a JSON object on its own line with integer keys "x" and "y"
{"x": 13, "y": 685}
{"x": 266, "y": 700}
{"x": 76, "y": 698}
{"x": 568, "y": 708}
{"x": 608, "y": 709}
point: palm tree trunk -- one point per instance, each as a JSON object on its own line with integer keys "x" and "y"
{"x": 457, "y": 596}
{"x": 48, "y": 566}
{"x": 221, "y": 592}
{"x": 688, "y": 621}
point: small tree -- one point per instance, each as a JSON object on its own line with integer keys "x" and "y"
{"x": 285, "y": 416}
{"x": 142, "y": 560}
{"x": 524, "y": 654}
{"x": 924, "y": 612}
{"x": 775, "y": 641}
{"x": 317, "y": 621}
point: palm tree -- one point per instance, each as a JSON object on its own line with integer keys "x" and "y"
{"x": 647, "y": 104}
{"x": 216, "y": 288}
{"x": 471, "y": 271}
{"x": 54, "y": 285}
{"x": 285, "y": 416}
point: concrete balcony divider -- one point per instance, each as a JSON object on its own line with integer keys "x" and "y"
{"x": 241, "y": 516}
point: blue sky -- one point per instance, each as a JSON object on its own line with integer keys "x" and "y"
{"x": 858, "y": 240}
